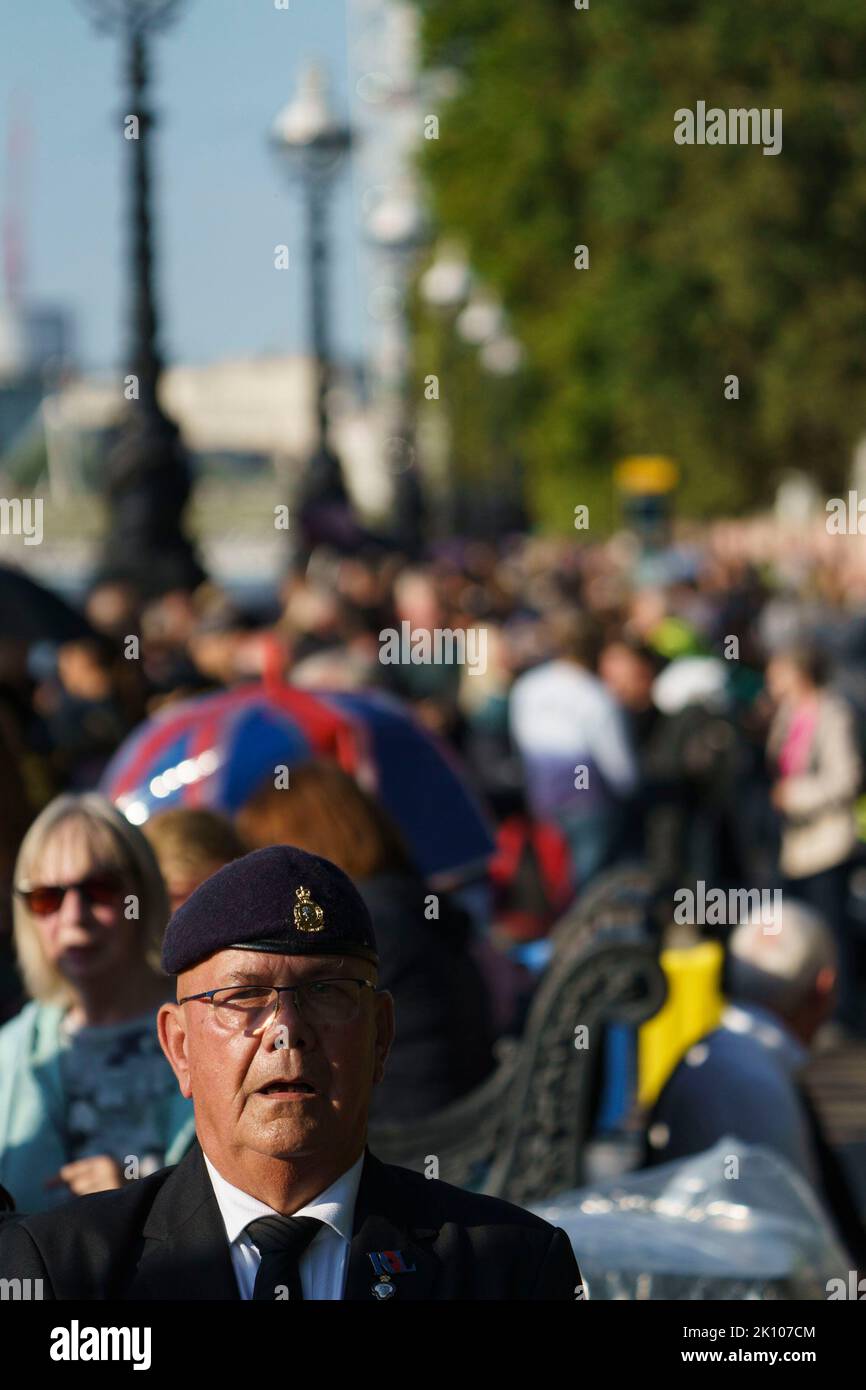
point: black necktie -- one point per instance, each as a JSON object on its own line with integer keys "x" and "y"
{"x": 282, "y": 1241}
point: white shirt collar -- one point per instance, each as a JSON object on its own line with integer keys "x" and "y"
{"x": 335, "y": 1206}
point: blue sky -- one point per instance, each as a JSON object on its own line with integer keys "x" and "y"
{"x": 220, "y": 74}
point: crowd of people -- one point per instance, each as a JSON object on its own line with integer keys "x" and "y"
{"x": 699, "y": 709}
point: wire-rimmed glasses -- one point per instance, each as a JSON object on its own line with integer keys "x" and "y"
{"x": 253, "y": 1007}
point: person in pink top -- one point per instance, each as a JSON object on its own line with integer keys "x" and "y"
{"x": 814, "y": 756}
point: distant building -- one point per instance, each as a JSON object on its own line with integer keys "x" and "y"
{"x": 13, "y": 344}
{"x": 33, "y": 339}
{"x": 243, "y": 410}
{"x": 35, "y": 346}
{"x": 48, "y": 337}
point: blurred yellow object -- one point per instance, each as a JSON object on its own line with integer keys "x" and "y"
{"x": 693, "y": 1007}
{"x": 646, "y": 474}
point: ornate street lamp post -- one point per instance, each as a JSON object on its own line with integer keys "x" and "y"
{"x": 148, "y": 472}
{"x": 478, "y": 319}
{"x": 395, "y": 226}
{"x": 445, "y": 287}
{"x": 312, "y": 145}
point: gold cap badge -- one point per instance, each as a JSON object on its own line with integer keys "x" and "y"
{"x": 307, "y": 914}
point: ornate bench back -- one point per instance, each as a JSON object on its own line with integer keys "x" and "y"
{"x": 520, "y": 1135}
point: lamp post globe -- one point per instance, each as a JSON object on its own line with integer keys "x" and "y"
{"x": 130, "y": 16}
{"x": 307, "y": 131}
{"x": 482, "y": 319}
{"x": 447, "y": 281}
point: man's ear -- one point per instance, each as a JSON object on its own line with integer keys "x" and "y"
{"x": 384, "y": 1032}
{"x": 171, "y": 1030}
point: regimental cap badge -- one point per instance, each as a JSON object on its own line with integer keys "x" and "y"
{"x": 307, "y": 914}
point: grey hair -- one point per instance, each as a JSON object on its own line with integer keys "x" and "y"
{"x": 778, "y": 968}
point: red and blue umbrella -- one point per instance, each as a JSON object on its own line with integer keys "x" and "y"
{"x": 216, "y": 750}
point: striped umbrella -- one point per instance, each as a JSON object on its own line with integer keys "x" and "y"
{"x": 216, "y": 750}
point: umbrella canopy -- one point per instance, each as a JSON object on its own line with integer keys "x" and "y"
{"x": 31, "y": 613}
{"x": 216, "y": 750}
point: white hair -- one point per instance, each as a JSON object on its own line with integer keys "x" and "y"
{"x": 778, "y": 968}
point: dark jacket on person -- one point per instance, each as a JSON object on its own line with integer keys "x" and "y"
{"x": 444, "y": 1034}
{"x": 163, "y": 1238}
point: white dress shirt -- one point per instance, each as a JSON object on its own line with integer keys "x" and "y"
{"x": 325, "y": 1261}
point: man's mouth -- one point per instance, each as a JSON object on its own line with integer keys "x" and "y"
{"x": 282, "y": 1089}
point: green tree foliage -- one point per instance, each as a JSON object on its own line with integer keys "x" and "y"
{"x": 704, "y": 260}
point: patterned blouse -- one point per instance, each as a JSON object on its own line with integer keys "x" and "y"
{"x": 117, "y": 1084}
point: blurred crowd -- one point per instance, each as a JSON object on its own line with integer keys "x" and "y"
{"x": 698, "y": 709}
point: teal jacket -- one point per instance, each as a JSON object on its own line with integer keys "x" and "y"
{"x": 32, "y": 1109}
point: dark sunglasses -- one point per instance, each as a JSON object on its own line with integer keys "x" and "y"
{"x": 42, "y": 901}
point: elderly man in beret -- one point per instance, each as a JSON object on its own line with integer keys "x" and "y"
{"x": 279, "y": 1035}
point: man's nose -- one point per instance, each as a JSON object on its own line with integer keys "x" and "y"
{"x": 288, "y": 1027}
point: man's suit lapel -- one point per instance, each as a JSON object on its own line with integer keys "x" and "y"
{"x": 403, "y": 1258}
{"x": 186, "y": 1253}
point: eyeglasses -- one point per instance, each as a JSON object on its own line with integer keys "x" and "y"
{"x": 47, "y": 898}
{"x": 253, "y": 1007}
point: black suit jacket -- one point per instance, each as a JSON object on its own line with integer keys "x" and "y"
{"x": 163, "y": 1238}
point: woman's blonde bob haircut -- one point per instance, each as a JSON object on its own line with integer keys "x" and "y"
{"x": 115, "y": 844}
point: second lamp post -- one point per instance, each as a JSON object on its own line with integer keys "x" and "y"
{"x": 312, "y": 145}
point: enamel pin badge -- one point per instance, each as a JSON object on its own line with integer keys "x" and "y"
{"x": 307, "y": 914}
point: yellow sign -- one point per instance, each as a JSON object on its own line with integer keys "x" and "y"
{"x": 643, "y": 474}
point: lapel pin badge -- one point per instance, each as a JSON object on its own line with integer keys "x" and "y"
{"x": 383, "y": 1288}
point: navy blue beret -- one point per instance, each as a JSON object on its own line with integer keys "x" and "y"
{"x": 277, "y": 899}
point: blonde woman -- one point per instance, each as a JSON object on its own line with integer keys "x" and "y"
{"x": 87, "y": 1100}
